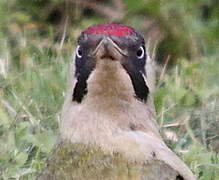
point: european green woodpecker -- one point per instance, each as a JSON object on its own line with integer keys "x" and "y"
{"x": 108, "y": 129}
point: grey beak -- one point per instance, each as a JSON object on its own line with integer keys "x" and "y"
{"x": 108, "y": 49}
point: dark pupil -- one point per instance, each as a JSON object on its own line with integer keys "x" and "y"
{"x": 79, "y": 52}
{"x": 139, "y": 52}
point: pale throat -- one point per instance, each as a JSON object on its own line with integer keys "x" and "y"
{"x": 110, "y": 82}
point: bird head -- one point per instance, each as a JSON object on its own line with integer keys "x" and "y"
{"x": 110, "y": 62}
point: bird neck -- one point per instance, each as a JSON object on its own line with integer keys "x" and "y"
{"x": 109, "y": 83}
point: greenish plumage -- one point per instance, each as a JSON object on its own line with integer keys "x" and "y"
{"x": 79, "y": 162}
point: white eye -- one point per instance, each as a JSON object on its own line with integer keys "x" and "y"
{"x": 140, "y": 53}
{"x": 78, "y": 52}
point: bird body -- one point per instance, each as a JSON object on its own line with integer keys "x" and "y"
{"x": 79, "y": 161}
{"x": 108, "y": 128}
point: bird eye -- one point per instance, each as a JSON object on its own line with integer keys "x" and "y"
{"x": 140, "y": 53}
{"x": 78, "y": 52}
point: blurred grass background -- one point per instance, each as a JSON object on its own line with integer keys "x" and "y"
{"x": 37, "y": 38}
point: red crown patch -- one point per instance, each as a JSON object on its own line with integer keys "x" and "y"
{"x": 111, "y": 29}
